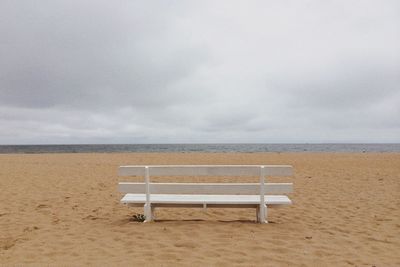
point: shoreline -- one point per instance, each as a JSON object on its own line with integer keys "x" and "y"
{"x": 186, "y": 152}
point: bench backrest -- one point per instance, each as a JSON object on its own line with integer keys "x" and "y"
{"x": 206, "y": 170}
{"x": 206, "y": 188}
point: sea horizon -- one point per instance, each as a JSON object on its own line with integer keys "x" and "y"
{"x": 200, "y": 147}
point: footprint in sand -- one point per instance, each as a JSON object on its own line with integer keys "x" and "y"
{"x": 31, "y": 228}
{"x": 185, "y": 245}
{"x": 42, "y": 206}
{"x": 91, "y": 217}
{"x": 7, "y": 243}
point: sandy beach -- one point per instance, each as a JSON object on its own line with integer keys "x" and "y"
{"x": 63, "y": 209}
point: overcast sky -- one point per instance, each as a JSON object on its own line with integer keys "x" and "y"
{"x": 199, "y": 71}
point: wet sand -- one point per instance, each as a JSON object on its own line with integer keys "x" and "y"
{"x": 63, "y": 209}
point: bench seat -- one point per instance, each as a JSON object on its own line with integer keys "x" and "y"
{"x": 206, "y": 199}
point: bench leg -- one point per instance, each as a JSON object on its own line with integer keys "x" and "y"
{"x": 262, "y": 214}
{"x": 148, "y": 213}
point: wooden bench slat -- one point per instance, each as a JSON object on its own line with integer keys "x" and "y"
{"x": 206, "y": 199}
{"x": 206, "y": 170}
{"x": 206, "y": 188}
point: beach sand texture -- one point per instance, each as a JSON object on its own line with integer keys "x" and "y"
{"x": 63, "y": 209}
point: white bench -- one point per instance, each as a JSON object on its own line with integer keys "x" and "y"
{"x": 224, "y": 195}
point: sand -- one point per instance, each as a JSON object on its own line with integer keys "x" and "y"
{"x": 63, "y": 209}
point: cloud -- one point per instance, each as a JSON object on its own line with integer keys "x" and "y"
{"x": 168, "y": 71}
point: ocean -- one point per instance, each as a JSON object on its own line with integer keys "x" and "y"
{"x": 209, "y": 148}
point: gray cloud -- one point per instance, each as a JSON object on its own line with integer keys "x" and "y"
{"x": 169, "y": 71}
{"x": 79, "y": 56}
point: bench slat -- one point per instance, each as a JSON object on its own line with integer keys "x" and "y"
{"x": 206, "y": 188}
{"x": 206, "y": 199}
{"x": 206, "y": 170}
